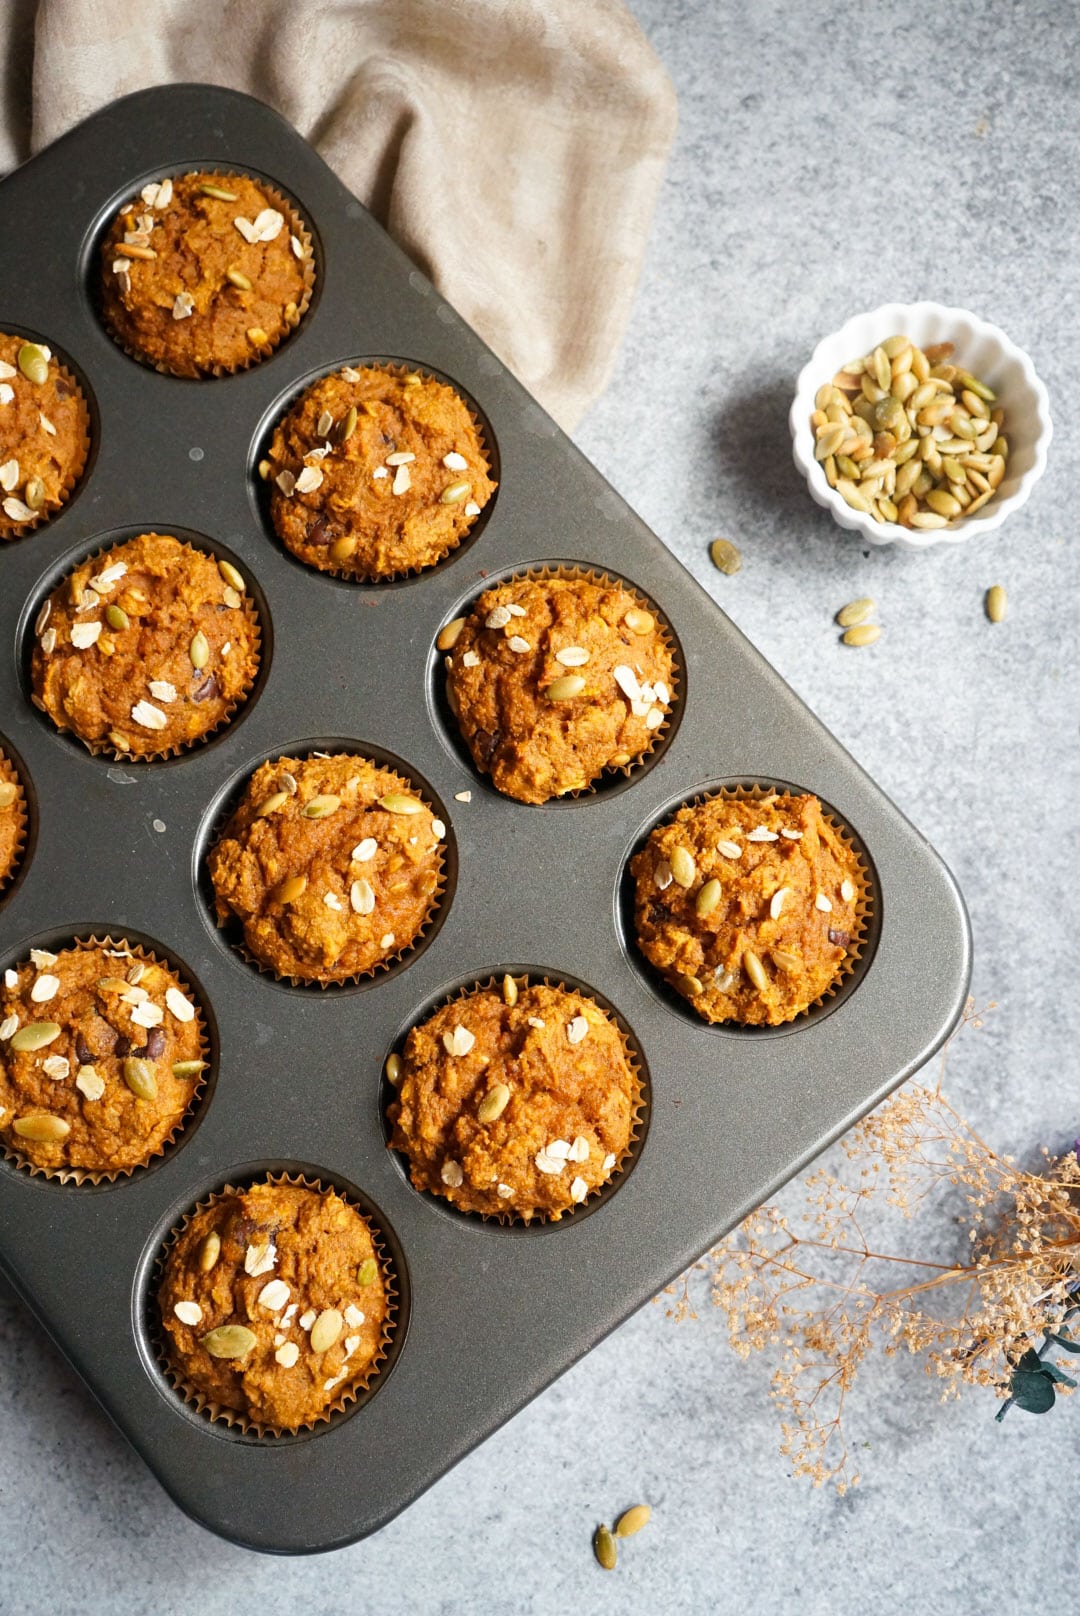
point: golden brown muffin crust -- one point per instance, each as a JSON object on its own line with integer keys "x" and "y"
{"x": 12, "y": 818}
{"x": 297, "y": 1270}
{"x": 44, "y": 432}
{"x": 771, "y": 935}
{"x": 372, "y": 473}
{"x": 515, "y": 1109}
{"x": 115, "y": 1021}
{"x": 186, "y": 288}
{"x": 146, "y": 648}
{"x": 554, "y": 680}
{"x": 330, "y": 865}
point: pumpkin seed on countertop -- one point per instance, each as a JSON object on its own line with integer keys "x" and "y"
{"x": 726, "y": 557}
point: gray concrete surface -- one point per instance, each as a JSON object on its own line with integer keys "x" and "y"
{"x": 829, "y": 158}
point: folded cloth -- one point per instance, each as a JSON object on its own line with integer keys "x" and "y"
{"x": 514, "y": 148}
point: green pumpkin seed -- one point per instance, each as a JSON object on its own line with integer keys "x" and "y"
{"x": 139, "y": 1077}
{"x": 35, "y": 493}
{"x": 321, "y": 807}
{"x": 42, "y": 1128}
{"x": 454, "y": 493}
{"x": 494, "y": 1103}
{"x": 726, "y": 557}
{"x": 604, "y": 1548}
{"x": 199, "y": 650}
{"x": 192, "y": 1068}
{"x": 271, "y": 804}
{"x": 348, "y": 425}
{"x": 708, "y": 898}
{"x": 117, "y": 618}
{"x": 35, "y": 1035}
{"x": 33, "y": 363}
{"x": 229, "y": 1341}
{"x": 216, "y": 191}
{"x": 326, "y": 1329}
{"x": 397, "y": 802}
{"x": 209, "y": 1251}
{"x": 234, "y": 579}
{"x": 368, "y": 1272}
{"x": 691, "y": 985}
{"x": 393, "y": 1069}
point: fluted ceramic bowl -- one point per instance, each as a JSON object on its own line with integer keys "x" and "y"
{"x": 981, "y": 348}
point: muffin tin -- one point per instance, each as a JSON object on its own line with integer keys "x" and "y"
{"x": 488, "y": 1315}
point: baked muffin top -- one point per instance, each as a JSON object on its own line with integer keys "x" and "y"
{"x": 100, "y": 1057}
{"x": 330, "y": 864}
{"x": 12, "y": 818}
{"x": 748, "y": 906}
{"x": 44, "y": 433}
{"x": 274, "y": 1303}
{"x": 554, "y": 680}
{"x": 146, "y": 648}
{"x": 374, "y": 472}
{"x": 203, "y": 273}
{"x": 516, "y": 1108}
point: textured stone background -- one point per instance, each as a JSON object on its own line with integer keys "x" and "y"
{"x": 829, "y": 159}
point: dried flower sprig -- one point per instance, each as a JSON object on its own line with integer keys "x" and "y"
{"x": 813, "y": 1289}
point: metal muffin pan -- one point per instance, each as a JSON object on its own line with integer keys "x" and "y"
{"x": 488, "y": 1315}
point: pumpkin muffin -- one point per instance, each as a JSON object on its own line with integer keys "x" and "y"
{"x": 374, "y": 472}
{"x": 748, "y": 906}
{"x": 554, "y": 680}
{"x": 274, "y": 1304}
{"x": 12, "y": 818}
{"x": 101, "y": 1054}
{"x": 205, "y": 273}
{"x": 145, "y": 649}
{"x": 515, "y": 1102}
{"x": 44, "y": 434}
{"x": 330, "y": 865}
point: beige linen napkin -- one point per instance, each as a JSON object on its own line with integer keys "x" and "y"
{"x": 514, "y": 148}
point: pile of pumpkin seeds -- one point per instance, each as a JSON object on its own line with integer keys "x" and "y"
{"x": 907, "y": 436}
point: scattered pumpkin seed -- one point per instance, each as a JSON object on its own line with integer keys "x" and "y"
{"x": 33, "y": 363}
{"x": 691, "y": 985}
{"x": 566, "y": 688}
{"x": 139, "y": 1077}
{"x": 639, "y": 621}
{"x": 117, "y": 618}
{"x": 454, "y": 493}
{"x": 190, "y": 1068}
{"x": 42, "y": 1128}
{"x": 604, "y": 1548}
{"x": 393, "y": 1069}
{"x": 209, "y": 1251}
{"x": 8, "y": 792}
{"x": 997, "y": 603}
{"x": 509, "y": 991}
{"x": 450, "y": 635}
{"x": 234, "y": 579}
{"x": 229, "y": 1341}
{"x": 217, "y": 191}
{"x": 290, "y": 889}
{"x": 320, "y": 807}
{"x": 368, "y": 1272}
{"x": 494, "y": 1103}
{"x": 342, "y": 549}
{"x": 35, "y": 493}
{"x": 632, "y": 1520}
{"x": 725, "y": 556}
{"x": 708, "y": 898}
{"x": 783, "y": 960}
{"x": 271, "y": 804}
{"x": 397, "y": 802}
{"x": 755, "y": 970}
{"x": 239, "y": 279}
{"x": 683, "y": 867}
{"x": 199, "y": 650}
{"x": 348, "y": 425}
{"x": 257, "y": 336}
{"x": 862, "y": 634}
{"x": 36, "y": 1035}
{"x": 856, "y": 611}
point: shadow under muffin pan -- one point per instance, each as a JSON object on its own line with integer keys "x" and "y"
{"x": 230, "y": 935}
{"x": 833, "y": 997}
{"x": 613, "y": 779}
{"x": 66, "y": 564}
{"x": 599, "y": 1197}
{"x": 261, "y": 490}
{"x": 299, "y": 1071}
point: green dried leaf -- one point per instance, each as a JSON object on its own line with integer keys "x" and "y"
{"x": 1034, "y": 1393}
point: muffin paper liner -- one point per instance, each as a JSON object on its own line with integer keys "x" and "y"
{"x": 399, "y": 370}
{"x": 864, "y": 903}
{"x": 639, "y": 1106}
{"x": 9, "y": 773}
{"x": 296, "y": 227}
{"x": 82, "y": 1175}
{"x": 18, "y": 530}
{"x": 103, "y": 748}
{"x": 232, "y": 1417}
{"x": 239, "y": 942}
{"x": 605, "y": 580}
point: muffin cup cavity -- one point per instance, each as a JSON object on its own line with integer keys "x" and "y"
{"x": 639, "y": 1127}
{"x": 352, "y": 1397}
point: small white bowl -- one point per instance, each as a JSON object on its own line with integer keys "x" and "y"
{"x": 981, "y": 348}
